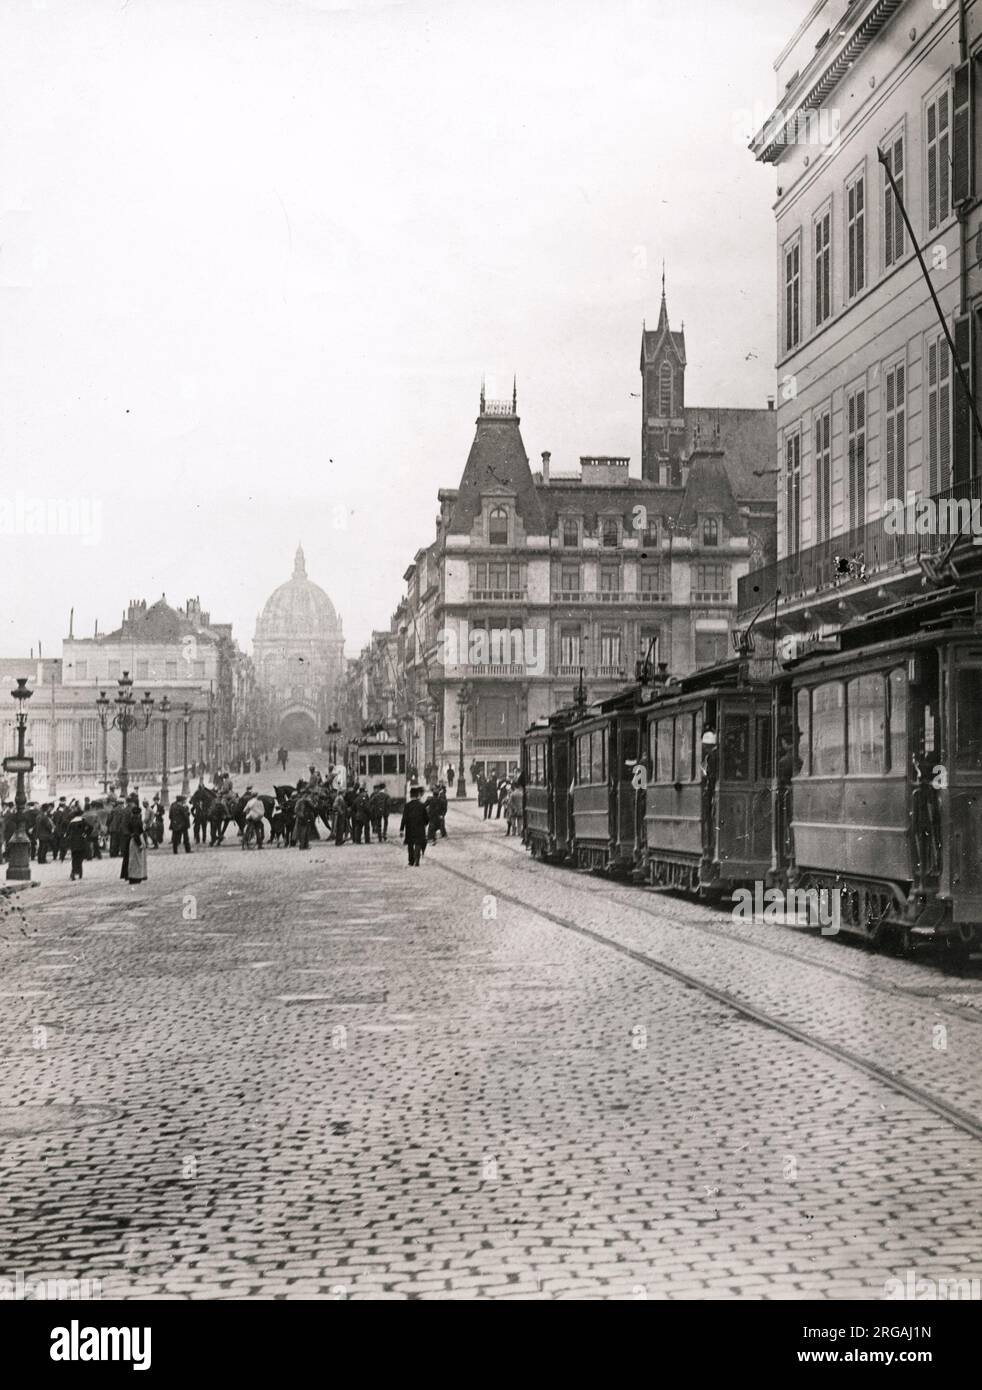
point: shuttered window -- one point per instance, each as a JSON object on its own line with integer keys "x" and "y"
{"x": 962, "y": 133}
{"x": 938, "y": 415}
{"x": 792, "y": 296}
{"x": 938, "y": 160}
{"x": 792, "y": 494}
{"x": 895, "y": 431}
{"x": 665, "y": 390}
{"x": 823, "y": 267}
{"x": 893, "y": 225}
{"x": 856, "y": 235}
{"x": 823, "y": 475}
{"x": 856, "y": 456}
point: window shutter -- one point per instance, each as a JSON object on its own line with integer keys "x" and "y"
{"x": 932, "y": 165}
{"x": 962, "y": 415}
{"x": 962, "y": 163}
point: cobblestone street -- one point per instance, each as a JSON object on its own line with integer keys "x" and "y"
{"x": 318, "y": 1074}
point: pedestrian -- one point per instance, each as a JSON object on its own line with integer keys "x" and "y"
{"x": 304, "y": 820}
{"x": 255, "y": 813}
{"x": 180, "y": 821}
{"x": 489, "y": 795}
{"x": 78, "y": 835}
{"x": 378, "y": 810}
{"x": 200, "y": 798}
{"x": 134, "y": 865}
{"x": 45, "y": 833}
{"x": 513, "y": 810}
{"x": 450, "y": 775}
{"x": 504, "y": 787}
{"x": 90, "y": 815}
{"x": 340, "y": 819}
{"x": 114, "y": 825}
{"x": 412, "y": 827}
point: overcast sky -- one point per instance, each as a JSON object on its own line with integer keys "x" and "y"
{"x": 256, "y": 254}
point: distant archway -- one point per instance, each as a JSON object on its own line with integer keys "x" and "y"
{"x": 298, "y": 730}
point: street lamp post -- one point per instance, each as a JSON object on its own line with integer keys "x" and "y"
{"x": 125, "y": 719}
{"x": 19, "y": 848}
{"x": 165, "y": 708}
{"x": 185, "y": 784}
{"x": 463, "y": 701}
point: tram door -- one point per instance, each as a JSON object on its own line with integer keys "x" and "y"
{"x": 623, "y": 755}
{"x": 964, "y": 777}
{"x": 927, "y": 751}
{"x": 559, "y": 780}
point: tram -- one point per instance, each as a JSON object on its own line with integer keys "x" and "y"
{"x": 854, "y": 767}
{"x": 379, "y": 758}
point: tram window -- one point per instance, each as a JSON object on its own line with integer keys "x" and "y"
{"x": 968, "y": 719}
{"x": 683, "y": 748}
{"x": 804, "y": 730}
{"x": 375, "y": 764}
{"x": 828, "y": 730}
{"x": 402, "y": 762}
{"x": 897, "y": 720}
{"x": 764, "y": 751}
{"x": 866, "y": 719}
{"x": 362, "y": 765}
{"x": 583, "y": 759}
{"x": 663, "y": 750}
{"x": 598, "y": 770}
{"x": 697, "y": 733}
{"x": 736, "y": 748}
{"x": 389, "y": 762}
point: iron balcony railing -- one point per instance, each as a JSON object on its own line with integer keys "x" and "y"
{"x": 610, "y": 596}
{"x": 857, "y": 554}
{"x": 498, "y": 595}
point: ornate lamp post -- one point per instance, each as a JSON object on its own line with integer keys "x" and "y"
{"x": 19, "y": 848}
{"x": 125, "y": 719}
{"x": 186, "y": 717}
{"x": 463, "y": 704}
{"x": 165, "y": 708}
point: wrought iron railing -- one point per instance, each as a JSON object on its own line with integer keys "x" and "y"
{"x": 857, "y": 554}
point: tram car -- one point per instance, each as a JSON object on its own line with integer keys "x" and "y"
{"x": 381, "y": 758}
{"x": 855, "y": 768}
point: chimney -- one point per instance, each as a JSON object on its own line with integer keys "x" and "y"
{"x": 546, "y": 456}
{"x": 770, "y": 402}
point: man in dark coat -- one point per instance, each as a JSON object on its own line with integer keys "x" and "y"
{"x": 77, "y": 835}
{"x": 413, "y": 827}
{"x": 200, "y": 799}
{"x": 378, "y": 808}
{"x": 180, "y": 820}
{"x": 45, "y": 833}
{"x": 114, "y": 825}
{"x": 360, "y": 818}
{"x": 340, "y": 819}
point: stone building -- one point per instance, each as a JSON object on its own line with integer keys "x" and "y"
{"x": 298, "y": 652}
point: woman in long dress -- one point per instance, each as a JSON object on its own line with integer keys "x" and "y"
{"x": 134, "y": 865}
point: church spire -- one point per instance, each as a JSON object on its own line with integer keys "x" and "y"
{"x": 663, "y": 315}
{"x": 299, "y": 564}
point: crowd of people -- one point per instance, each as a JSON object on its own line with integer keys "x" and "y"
{"x": 318, "y": 807}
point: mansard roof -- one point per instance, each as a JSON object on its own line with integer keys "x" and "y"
{"x": 156, "y": 623}
{"x": 497, "y": 463}
{"x": 708, "y": 492}
{"x": 748, "y": 438}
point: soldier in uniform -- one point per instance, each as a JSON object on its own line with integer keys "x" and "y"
{"x": 413, "y": 827}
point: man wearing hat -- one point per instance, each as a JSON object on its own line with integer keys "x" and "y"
{"x": 413, "y": 826}
{"x": 180, "y": 819}
{"x": 708, "y": 774}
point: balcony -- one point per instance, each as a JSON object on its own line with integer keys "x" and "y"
{"x": 868, "y": 550}
{"x": 498, "y": 595}
{"x": 645, "y": 596}
{"x": 610, "y": 673}
{"x": 503, "y": 670}
{"x": 715, "y": 596}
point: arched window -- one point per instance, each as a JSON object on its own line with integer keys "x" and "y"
{"x": 498, "y": 527}
{"x": 710, "y": 531}
{"x": 665, "y": 391}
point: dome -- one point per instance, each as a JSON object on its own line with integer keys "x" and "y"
{"x": 298, "y": 608}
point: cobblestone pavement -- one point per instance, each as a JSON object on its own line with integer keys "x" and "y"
{"x": 293, "y": 1075}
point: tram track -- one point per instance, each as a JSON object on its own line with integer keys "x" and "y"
{"x": 943, "y": 1109}
{"x": 634, "y": 898}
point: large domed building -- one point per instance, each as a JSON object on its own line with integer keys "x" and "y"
{"x": 299, "y": 653}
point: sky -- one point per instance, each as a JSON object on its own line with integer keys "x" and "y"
{"x": 256, "y": 255}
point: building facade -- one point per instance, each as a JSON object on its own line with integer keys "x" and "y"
{"x": 870, "y": 409}
{"x": 298, "y": 652}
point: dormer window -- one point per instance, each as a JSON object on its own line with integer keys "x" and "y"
{"x": 571, "y": 531}
{"x": 665, "y": 391}
{"x": 498, "y": 526}
{"x": 710, "y": 531}
{"x": 611, "y": 538}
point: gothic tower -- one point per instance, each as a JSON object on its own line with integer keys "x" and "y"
{"x": 662, "y": 399}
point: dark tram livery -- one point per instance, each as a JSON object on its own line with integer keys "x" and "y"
{"x": 856, "y": 767}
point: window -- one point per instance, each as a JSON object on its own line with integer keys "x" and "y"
{"x": 805, "y": 730}
{"x": 896, "y": 432}
{"x": 649, "y": 533}
{"x": 828, "y": 730}
{"x": 598, "y": 757}
{"x": 823, "y": 475}
{"x": 856, "y": 456}
{"x": 764, "y": 748}
{"x": 792, "y": 295}
{"x": 683, "y": 748}
{"x": 170, "y": 670}
{"x": 650, "y": 642}
{"x": 897, "y": 720}
{"x": 113, "y": 670}
{"x": 665, "y": 402}
{"x": 81, "y": 670}
{"x": 650, "y": 579}
{"x": 736, "y": 748}
{"x": 143, "y": 670}
{"x": 823, "y": 267}
{"x": 711, "y": 648}
{"x": 569, "y": 579}
{"x": 938, "y": 160}
{"x": 792, "y": 493}
{"x": 710, "y": 531}
{"x": 569, "y": 646}
{"x": 712, "y": 584}
{"x": 611, "y": 537}
{"x": 610, "y": 579}
{"x": 498, "y": 574}
{"x": 856, "y": 234}
{"x": 866, "y": 710}
{"x": 893, "y": 223}
{"x": 968, "y": 719}
{"x": 389, "y": 763}
{"x": 610, "y": 647}
{"x": 498, "y": 526}
{"x": 661, "y": 750}
{"x": 571, "y": 531}
{"x": 199, "y": 670}
{"x": 375, "y": 764}
{"x": 938, "y": 414}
